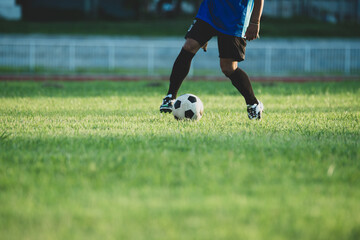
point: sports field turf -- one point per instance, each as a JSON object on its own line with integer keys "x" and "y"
{"x": 96, "y": 160}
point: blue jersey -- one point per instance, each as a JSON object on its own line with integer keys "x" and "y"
{"x": 230, "y": 17}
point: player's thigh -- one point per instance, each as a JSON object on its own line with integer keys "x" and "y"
{"x": 231, "y": 47}
{"x": 199, "y": 33}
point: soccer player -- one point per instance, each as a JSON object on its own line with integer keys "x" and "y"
{"x": 233, "y": 22}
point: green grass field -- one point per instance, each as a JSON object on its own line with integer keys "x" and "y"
{"x": 97, "y": 160}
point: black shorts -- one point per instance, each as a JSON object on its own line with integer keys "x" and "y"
{"x": 229, "y": 46}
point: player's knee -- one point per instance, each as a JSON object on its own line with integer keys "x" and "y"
{"x": 227, "y": 69}
{"x": 228, "y": 66}
{"x": 191, "y": 46}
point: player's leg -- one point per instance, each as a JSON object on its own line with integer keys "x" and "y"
{"x": 198, "y": 34}
{"x": 179, "y": 71}
{"x": 232, "y": 51}
{"x": 241, "y": 82}
{"x": 239, "y": 79}
{"x": 182, "y": 65}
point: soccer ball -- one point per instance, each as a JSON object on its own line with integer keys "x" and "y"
{"x": 188, "y": 106}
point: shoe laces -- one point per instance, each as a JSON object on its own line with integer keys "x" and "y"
{"x": 167, "y": 99}
{"x": 251, "y": 109}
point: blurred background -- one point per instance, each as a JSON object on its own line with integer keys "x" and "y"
{"x": 141, "y": 38}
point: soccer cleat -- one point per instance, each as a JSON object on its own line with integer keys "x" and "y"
{"x": 167, "y": 104}
{"x": 255, "y": 110}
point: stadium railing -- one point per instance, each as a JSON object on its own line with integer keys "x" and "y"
{"x": 155, "y": 58}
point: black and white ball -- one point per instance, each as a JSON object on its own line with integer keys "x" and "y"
{"x": 188, "y": 106}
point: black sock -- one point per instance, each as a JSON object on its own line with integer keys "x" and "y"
{"x": 241, "y": 81}
{"x": 180, "y": 70}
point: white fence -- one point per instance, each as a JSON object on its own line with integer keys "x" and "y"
{"x": 154, "y": 58}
